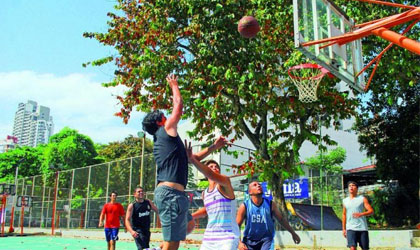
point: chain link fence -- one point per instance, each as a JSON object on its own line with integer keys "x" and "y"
{"x": 74, "y": 198}
{"x": 80, "y": 194}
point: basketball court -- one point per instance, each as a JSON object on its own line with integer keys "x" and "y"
{"x": 331, "y": 42}
{"x": 59, "y": 243}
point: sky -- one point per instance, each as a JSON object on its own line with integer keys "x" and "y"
{"x": 42, "y": 50}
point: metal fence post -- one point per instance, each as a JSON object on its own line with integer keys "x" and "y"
{"x": 70, "y": 197}
{"x": 57, "y": 178}
{"x": 107, "y": 182}
{"x": 32, "y": 195}
{"x": 87, "y": 198}
{"x": 129, "y": 181}
{"x": 42, "y": 200}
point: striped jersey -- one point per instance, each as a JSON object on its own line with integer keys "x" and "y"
{"x": 222, "y": 232}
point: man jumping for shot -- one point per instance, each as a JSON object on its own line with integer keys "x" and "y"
{"x": 259, "y": 213}
{"x": 172, "y": 170}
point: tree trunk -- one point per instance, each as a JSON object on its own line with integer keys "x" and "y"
{"x": 278, "y": 195}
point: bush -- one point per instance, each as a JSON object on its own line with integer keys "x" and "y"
{"x": 393, "y": 207}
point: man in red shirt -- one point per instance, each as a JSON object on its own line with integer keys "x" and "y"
{"x": 112, "y": 212}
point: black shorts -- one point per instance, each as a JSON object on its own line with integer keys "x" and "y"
{"x": 262, "y": 244}
{"x": 361, "y": 237}
{"x": 142, "y": 241}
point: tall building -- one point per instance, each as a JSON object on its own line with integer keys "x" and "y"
{"x": 33, "y": 124}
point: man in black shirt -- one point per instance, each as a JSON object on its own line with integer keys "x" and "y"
{"x": 137, "y": 219}
{"x": 172, "y": 169}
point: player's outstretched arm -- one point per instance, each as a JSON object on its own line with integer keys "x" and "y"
{"x": 172, "y": 122}
{"x": 284, "y": 223}
{"x": 220, "y": 179}
{"x": 218, "y": 144}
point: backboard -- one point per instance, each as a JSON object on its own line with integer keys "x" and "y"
{"x": 319, "y": 19}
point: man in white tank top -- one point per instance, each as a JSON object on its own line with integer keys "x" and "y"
{"x": 355, "y": 227}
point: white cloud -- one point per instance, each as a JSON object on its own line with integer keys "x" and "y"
{"x": 75, "y": 101}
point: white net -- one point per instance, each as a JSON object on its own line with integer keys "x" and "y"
{"x": 306, "y": 78}
{"x": 307, "y": 89}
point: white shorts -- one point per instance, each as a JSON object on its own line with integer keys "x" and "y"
{"x": 231, "y": 244}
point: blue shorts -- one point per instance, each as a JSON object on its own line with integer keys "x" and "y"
{"x": 263, "y": 244}
{"x": 173, "y": 211}
{"x": 111, "y": 234}
{"x": 361, "y": 237}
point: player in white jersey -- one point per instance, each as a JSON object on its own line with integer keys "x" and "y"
{"x": 355, "y": 227}
{"x": 222, "y": 231}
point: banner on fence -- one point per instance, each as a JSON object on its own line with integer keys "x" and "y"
{"x": 296, "y": 189}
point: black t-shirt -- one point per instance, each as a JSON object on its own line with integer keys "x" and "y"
{"x": 140, "y": 217}
{"x": 171, "y": 158}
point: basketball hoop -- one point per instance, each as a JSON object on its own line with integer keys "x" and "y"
{"x": 307, "y": 77}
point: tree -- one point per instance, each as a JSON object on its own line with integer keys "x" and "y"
{"x": 236, "y": 85}
{"x": 130, "y": 147}
{"x": 388, "y": 117}
{"x": 28, "y": 159}
{"x": 69, "y": 149}
{"x": 392, "y": 138}
{"x": 328, "y": 188}
{"x": 329, "y": 162}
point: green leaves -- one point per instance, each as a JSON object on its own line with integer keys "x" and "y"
{"x": 28, "y": 160}
{"x": 329, "y": 161}
{"x": 67, "y": 150}
{"x": 228, "y": 83}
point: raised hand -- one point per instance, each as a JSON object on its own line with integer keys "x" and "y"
{"x": 172, "y": 80}
{"x": 188, "y": 148}
{"x": 220, "y": 142}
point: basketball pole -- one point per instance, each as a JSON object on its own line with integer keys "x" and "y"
{"x": 3, "y": 213}
{"x": 22, "y": 214}
{"x": 11, "y": 229}
{"x": 141, "y": 135}
{"x": 320, "y": 170}
{"x": 54, "y": 203}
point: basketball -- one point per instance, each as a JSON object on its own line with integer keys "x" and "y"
{"x": 248, "y": 27}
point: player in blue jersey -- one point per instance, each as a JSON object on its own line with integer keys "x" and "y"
{"x": 259, "y": 214}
